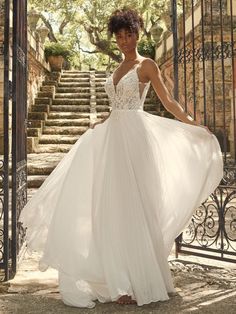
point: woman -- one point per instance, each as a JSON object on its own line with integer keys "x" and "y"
{"x": 107, "y": 216}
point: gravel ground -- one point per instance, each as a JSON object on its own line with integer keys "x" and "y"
{"x": 203, "y": 286}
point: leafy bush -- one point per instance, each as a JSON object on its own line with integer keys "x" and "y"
{"x": 146, "y": 47}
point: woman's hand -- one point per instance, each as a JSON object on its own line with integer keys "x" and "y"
{"x": 194, "y": 122}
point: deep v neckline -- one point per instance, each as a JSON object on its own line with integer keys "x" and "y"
{"x": 115, "y": 85}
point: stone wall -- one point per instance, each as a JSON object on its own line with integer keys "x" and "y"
{"x": 223, "y": 103}
{"x": 37, "y": 70}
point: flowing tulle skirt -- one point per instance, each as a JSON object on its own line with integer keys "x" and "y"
{"x": 108, "y": 214}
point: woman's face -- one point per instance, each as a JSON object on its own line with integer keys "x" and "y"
{"x": 126, "y": 40}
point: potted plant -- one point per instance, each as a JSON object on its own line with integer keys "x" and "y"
{"x": 56, "y": 54}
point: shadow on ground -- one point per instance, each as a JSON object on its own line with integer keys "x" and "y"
{"x": 200, "y": 288}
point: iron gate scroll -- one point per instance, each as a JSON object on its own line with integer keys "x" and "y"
{"x": 14, "y": 159}
{"x": 205, "y": 82}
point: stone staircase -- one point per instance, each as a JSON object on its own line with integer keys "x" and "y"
{"x": 64, "y": 109}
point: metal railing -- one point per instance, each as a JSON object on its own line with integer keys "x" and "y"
{"x": 204, "y": 82}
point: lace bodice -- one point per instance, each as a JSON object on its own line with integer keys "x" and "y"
{"x": 129, "y": 93}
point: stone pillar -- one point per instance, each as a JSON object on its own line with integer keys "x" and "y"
{"x": 232, "y": 134}
{"x": 1, "y": 72}
{"x": 2, "y": 81}
{"x": 1, "y": 104}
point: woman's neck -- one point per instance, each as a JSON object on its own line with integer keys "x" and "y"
{"x": 131, "y": 56}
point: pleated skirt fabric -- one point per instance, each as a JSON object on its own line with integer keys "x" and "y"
{"x": 107, "y": 216}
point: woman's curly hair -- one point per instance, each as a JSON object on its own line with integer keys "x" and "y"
{"x": 125, "y": 18}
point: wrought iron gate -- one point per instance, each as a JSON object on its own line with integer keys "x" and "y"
{"x": 13, "y": 167}
{"x": 204, "y": 64}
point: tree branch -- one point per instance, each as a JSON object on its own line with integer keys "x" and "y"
{"x": 51, "y": 35}
{"x": 63, "y": 25}
{"x": 87, "y": 51}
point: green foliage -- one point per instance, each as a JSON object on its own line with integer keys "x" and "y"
{"x": 146, "y": 47}
{"x": 82, "y": 26}
{"x": 56, "y": 49}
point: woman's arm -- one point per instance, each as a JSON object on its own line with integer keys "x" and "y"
{"x": 153, "y": 73}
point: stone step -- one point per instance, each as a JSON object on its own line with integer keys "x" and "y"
{"x": 71, "y": 108}
{"x": 46, "y": 89}
{"x": 45, "y": 94}
{"x": 40, "y": 108}
{"x": 68, "y": 115}
{"x": 50, "y": 83}
{"x": 99, "y": 84}
{"x": 101, "y": 115}
{"x": 73, "y": 90}
{"x": 99, "y": 89}
{"x": 36, "y": 161}
{"x": 42, "y": 163}
{"x": 53, "y": 75}
{"x": 35, "y": 123}
{"x": 35, "y": 181}
{"x": 74, "y": 80}
{"x": 150, "y": 107}
{"x": 67, "y": 122}
{"x": 75, "y": 72}
{"x": 37, "y": 115}
{"x": 70, "y": 84}
{"x": 43, "y": 100}
{"x": 32, "y": 143}
{"x": 103, "y": 101}
{"x": 75, "y": 75}
{"x": 54, "y": 148}
{"x": 65, "y": 130}
{"x": 64, "y": 101}
{"x": 72, "y": 95}
{"x": 33, "y": 132}
{"x": 100, "y": 108}
{"x": 100, "y": 79}
{"x": 102, "y": 74}
{"x": 149, "y": 101}
{"x": 58, "y": 139}
{"x": 100, "y": 95}
{"x": 39, "y": 169}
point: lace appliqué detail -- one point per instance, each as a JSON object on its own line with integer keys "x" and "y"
{"x": 125, "y": 95}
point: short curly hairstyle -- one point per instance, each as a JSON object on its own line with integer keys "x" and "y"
{"x": 125, "y": 18}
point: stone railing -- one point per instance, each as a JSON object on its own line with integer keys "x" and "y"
{"x": 37, "y": 66}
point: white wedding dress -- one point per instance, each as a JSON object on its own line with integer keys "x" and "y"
{"x": 107, "y": 216}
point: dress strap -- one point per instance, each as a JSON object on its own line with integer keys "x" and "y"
{"x": 144, "y": 83}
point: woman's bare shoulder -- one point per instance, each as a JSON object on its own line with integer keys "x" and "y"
{"x": 148, "y": 68}
{"x": 148, "y": 63}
